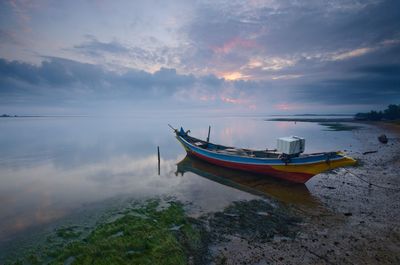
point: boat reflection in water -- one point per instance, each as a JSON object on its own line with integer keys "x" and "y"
{"x": 286, "y": 192}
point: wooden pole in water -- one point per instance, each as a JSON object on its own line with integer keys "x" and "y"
{"x": 158, "y": 154}
{"x": 208, "y": 137}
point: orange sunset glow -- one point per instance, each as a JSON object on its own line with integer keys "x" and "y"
{"x": 232, "y": 76}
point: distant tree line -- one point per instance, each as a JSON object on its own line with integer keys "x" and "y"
{"x": 391, "y": 113}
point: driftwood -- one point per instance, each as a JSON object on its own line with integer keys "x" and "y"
{"x": 370, "y": 152}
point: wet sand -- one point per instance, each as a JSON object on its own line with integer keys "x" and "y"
{"x": 355, "y": 223}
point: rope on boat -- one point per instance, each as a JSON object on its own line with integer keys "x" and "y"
{"x": 370, "y": 183}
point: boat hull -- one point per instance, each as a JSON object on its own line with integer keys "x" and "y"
{"x": 300, "y": 170}
{"x": 258, "y": 169}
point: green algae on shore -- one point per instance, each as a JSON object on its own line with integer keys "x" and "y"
{"x": 160, "y": 232}
{"x": 149, "y": 234}
{"x": 68, "y": 232}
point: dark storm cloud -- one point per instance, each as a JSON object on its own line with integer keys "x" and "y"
{"x": 373, "y": 84}
{"x": 74, "y": 85}
{"x": 61, "y": 79}
{"x": 391, "y": 70}
{"x": 18, "y": 71}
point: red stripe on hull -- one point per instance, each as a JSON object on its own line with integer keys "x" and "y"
{"x": 259, "y": 169}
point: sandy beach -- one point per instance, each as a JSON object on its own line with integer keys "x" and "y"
{"x": 354, "y": 223}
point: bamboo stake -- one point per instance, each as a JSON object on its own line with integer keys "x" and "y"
{"x": 158, "y": 154}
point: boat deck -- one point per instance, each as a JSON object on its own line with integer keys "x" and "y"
{"x": 232, "y": 150}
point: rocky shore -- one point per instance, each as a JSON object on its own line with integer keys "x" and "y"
{"x": 354, "y": 223}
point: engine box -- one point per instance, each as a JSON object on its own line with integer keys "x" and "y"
{"x": 291, "y": 145}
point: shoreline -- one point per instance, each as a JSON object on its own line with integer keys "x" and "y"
{"x": 313, "y": 119}
{"x": 352, "y": 223}
{"x": 393, "y": 127}
{"x": 395, "y": 124}
{"x": 357, "y": 223}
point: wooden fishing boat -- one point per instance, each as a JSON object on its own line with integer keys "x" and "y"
{"x": 297, "y": 168}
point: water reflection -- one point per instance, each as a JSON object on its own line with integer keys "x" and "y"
{"x": 283, "y": 191}
{"x": 39, "y": 194}
{"x": 51, "y": 166}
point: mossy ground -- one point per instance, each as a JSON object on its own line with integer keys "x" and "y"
{"x": 160, "y": 232}
{"x": 68, "y": 232}
{"x": 149, "y": 234}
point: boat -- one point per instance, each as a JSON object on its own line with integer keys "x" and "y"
{"x": 256, "y": 184}
{"x": 293, "y": 167}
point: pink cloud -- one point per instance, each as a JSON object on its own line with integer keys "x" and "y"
{"x": 234, "y": 43}
{"x": 232, "y": 100}
{"x": 239, "y": 101}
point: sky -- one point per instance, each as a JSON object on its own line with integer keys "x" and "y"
{"x": 268, "y": 57}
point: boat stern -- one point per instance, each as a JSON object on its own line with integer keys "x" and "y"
{"x": 345, "y": 161}
{"x": 338, "y": 159}
{"x": 303, "y": 172}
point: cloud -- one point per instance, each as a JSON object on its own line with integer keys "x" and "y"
{"x": 59, "y": 81}
{"x": 277, "y": 77}
{"x": 372, "y": 84}
{"x": 149, "y": 56}
{"x": 71, "y": 84}
{"x": 351, "y": 54}
{"x": 276, "y": 63}
{"x": 93, "y": 47}
{"x": 217, "y": 53}
{"x": 67, "y": 84}
{"x": 232, "y": 44}
{"x": 259, "y": 37}
{"x": 390, "y": 70}
{"x": 232, "y": 76}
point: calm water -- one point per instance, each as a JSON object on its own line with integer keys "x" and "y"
{"x": 49, "y": 167}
